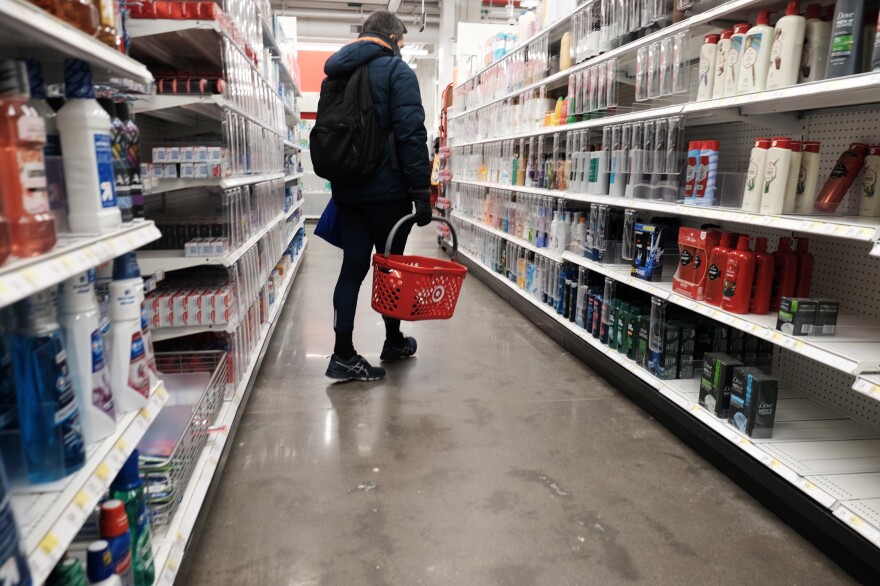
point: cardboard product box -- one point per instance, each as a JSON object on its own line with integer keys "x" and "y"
{"x": 686, "y": 349}
{"x": 172, "y": 154}
{"x": 736, "y": 343}
{"x": 750, "y": 350}
{"x": 187, "y": 154}
{"x": 720, "y": 337}
{"x": 797, "y": 316}
{"x": 166, "y": 309}
{"x": 664, "y": 364}
{"x": 715, "y": 382}
{"x": 690, "y": 276}
{"x": 827, "y": 311}
{"x": 200, "y": 154}
{"x": 169, "y": 171}
{"x": 647, "y": 263}
{"x": 200, "y": 171}
{"x": 159, "y": 155}
{"x": 179, "y": 309}
{"x": 187, "y": 171}
{"x": 642, "y": 343}
{"x": 753, "y": 397}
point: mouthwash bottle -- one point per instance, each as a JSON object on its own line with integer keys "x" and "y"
{"x": 50, "y": 424}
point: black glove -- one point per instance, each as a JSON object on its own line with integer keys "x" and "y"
{"x": 422, "y": 201}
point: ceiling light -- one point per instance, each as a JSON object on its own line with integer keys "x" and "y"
{"x": 414, "y": 51}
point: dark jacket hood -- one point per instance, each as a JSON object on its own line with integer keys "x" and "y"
{"x": 363, "y": 49}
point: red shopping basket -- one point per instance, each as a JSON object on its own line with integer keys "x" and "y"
{"x": 414, "y": 288}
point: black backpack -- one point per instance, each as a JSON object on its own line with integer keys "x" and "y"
{"x": 347, "y": 143}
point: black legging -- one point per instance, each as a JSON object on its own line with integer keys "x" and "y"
{"x": 364, "y": 226}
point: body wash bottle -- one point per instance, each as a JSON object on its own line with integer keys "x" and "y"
{"x": 756, "y": 55}
{"x": 739, "y": 276}
{"x": 49, "y": 419}
{"x": 721, "y": 64}
{"x": 788, "y": 46}
{"x": 808, "y": 178}
{"x": 791, "y": 183}
{"x": 775, "y": 175}
{"x": 734, "y": 54}
{"x": 845, "y": 54}
{"x": 817, "y": 40}
{"x": 706, "y": 78}
{"x": 870, "y": 200}
{"x": 755, "y": 176}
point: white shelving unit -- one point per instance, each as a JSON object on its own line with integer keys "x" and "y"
{"x": 38, "y": 33}
{"x": 166, "y": 185}
{"x": 50, "y": 516}
{"x": 826, "y": 441}
{"x": 803, "y": 435}
{"x": 170, "y": 547}
{"x": 72, "y": 255}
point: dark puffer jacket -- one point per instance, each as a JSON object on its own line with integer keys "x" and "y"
{"x": 398, "y": 105}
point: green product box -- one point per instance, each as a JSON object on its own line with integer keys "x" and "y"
{"x": 612, "y": 324}
{"x": 642, "y": 352}
{"x": 666, "y": 361}
{"x": 715, "y": 382}
{"x": 624, "y": 314}
{"x": 753, "y": 397}
{"x": 686, "y": 349}
{"x": 797, "y": 316}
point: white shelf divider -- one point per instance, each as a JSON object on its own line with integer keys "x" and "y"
{"x": 170, "y": 547}
{"x": 74, "y": 254}
{"x": 50, "y": 516}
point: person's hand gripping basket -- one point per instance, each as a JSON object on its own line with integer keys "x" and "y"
{"x": 414, "y": 288}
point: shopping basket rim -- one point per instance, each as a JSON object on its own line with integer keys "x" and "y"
{"x": 433, "y": 266}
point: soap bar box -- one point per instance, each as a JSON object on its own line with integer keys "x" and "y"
{"x": 716, "y": 381}
{"x": 796, "y": 316}
{"x": 753, "y": 397}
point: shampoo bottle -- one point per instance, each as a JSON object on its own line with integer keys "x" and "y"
{"x": 788, "y": 46}
{"x": 88, "y": 162}
{"x": 732, "y": 75}
{"x": 129, "y": 371}
{"x": 870, "y": 200}
{"x": 754, "y": 189}
{"x": 808, "y": 177}
{"x": 756, "y": 55}
{"x": 817, "y": 40}
{"x": 845, "y": 54}
{"x": 114, "y": 529}
{"x": 739, "y": 276}
{"x": 791, "y": 183}
{"x": 763, "y": 286}
{"x": 129, "y": 488}
{"x": 804, "y": 268}
{"x": 775, "y": 175}
{"x": 23, "y": 182}
{"x": 717, "y": 265}
{"x": 706, "y": 79}
{"x": 47, "y": 412}
{"x": 784, "y": 273}
{"x": 80, "y": 322}
{"x": 841, "y": 179}
{"x": 721, "y": 64}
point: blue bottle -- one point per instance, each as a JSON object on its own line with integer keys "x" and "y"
{"x": 14, "y": 569}
{"x": 50, "y": 428}
{"x": 99, "y": 565}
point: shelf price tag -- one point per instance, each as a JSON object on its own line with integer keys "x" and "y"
{"x": 81, "y": 500}
{"x": 102, "y": 471}
{"x": 49, "y": 543}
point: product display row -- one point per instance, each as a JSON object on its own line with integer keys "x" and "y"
{"x": 750, "y": 57}
{"x": 647, "y": 160}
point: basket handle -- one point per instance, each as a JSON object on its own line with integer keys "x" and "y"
{"x": 411, "y": 218}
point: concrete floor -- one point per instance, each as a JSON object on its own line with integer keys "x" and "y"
{"x": 492, "y": 458}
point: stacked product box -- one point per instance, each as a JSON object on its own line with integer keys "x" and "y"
{"x": 192, "y": 306}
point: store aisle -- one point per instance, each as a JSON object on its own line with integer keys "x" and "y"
{"x": 492, "y": 458}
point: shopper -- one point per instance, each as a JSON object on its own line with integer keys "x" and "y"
{"x": 369, "y": 210}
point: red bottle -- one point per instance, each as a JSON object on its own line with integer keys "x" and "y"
{"x": 739, "y": 275}
{"x": 841, "y": 179}
{"x": 763, "y": 285}
{"x": 784, "y": 273}
{"x": 804, "y": 268}
{"x": 715, "y": 272}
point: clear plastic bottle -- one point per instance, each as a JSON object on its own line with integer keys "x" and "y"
{"x": 22, "y": 140}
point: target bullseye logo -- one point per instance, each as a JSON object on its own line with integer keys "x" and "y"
{"x": 438, "y": 293}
